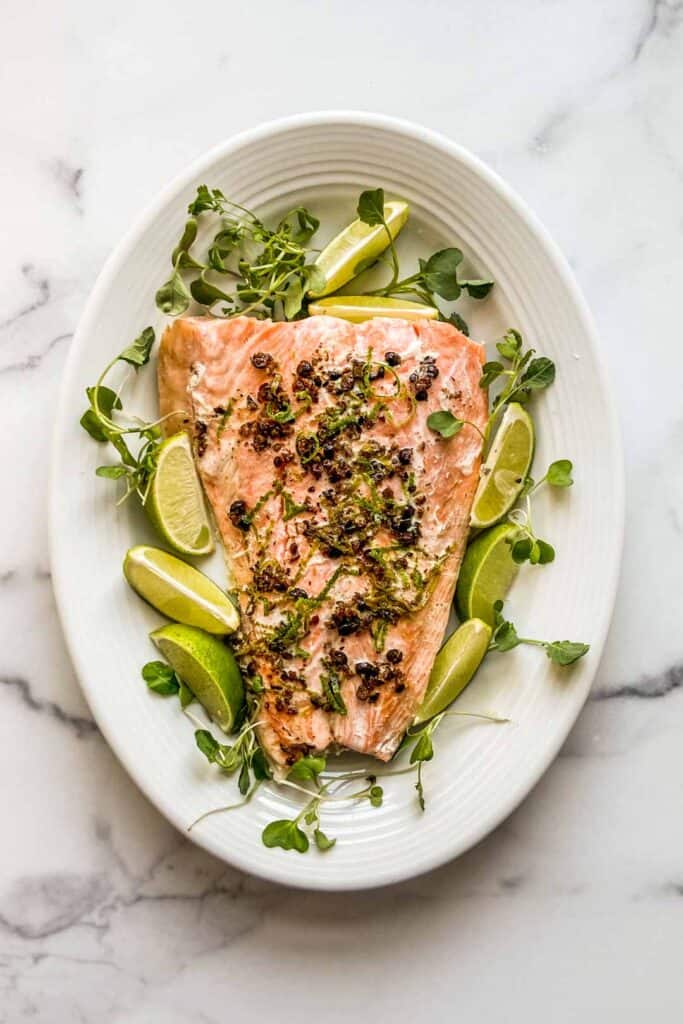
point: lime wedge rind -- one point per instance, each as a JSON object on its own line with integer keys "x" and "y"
{"x": 356, "y": 245}
{"x": 207, "y": 667}
{"x": 358, "y": 308}
{"x": 454, "y": 667}
{"x": 486, "y": 574}
{"x": 175, "y": 504}
{"x": 505, "y": 469}
{"x": 179, "y": 591}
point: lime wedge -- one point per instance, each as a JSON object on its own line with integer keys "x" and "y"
{"x": 357, "y": 308}
{"x": 354, "y": 248}
{"x": 179, "y": 591}
{"x": 486, "y": 574}
{"x": 175, "y": 503}
{"x": 454, "y": 666}
{"x": 507, "y": 464}
{"x": 207, "y": 667}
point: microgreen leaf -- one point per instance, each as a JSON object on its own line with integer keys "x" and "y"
{"x": 489, "y": 372}
{"x": 444, "y": 423}
{"x": 207, "y": 294}
{"x": 562, "y": 652}
{"x": 560, "y": 473}
{"x": 457, "y": 321}
{"x": 440, "y": 273}
{"x": 112, "y": 472}
{"x": 300, "y": 224}
{"x": 566, "y": 652}
{"x": 186, "y": 239}
{"x": 173, "y": 297}
{"x": 477, "y": 289}
{"x": 307, "y": 768}
{"x": 294, "y": 297}
{"x": 107, "y": 401}
{"x": 244, "y": 778}
{"x": 511, "y": 345}
{"x": 160, "y": 678}
{"x": 539, "y": 374}
{"x": 423, "y": 749}
{"x": 259, "y": 766}
{"x": 286, "y": 834}
{"x": 186, "y": 262}
{"x": 139, "y": 351}
{"x": 315, "y": 278}
{"x": 371, "y": 206}
{"x": 226, "y": 757}
{"x": 206, "y": 199}
{"x": 521, "y": 550}
{"x": 505, "y": 637}
{"x": 322, "y": 841}
{"x": 542, "y": 553}
{"x": 207, "y": 744}
{"x": 376, "y": 796}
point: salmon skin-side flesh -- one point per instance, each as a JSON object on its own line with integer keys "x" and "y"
{"x": 344, "y": 517}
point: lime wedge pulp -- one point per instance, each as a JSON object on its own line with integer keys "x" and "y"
{"x": 179, "y": 591}
{"x": 207, "y": 667}
{"x": 504, "y": 471}
{"x": 356, "y": 246}
{"x": 358, "y": 308}
{"x": 454, "y": 666}
{"x": 175, "y": 503}
{"x": 486, "y": 573}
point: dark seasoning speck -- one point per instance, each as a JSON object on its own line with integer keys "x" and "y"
{"x": 362, "y": 511}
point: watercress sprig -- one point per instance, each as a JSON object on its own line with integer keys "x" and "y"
{"x": 524, "y": 544}
{"x": 295, "y": 833}
{"x": 163, "y": 680}
{"x": 524, "y": 375}
{"x": 436, "y": 276}
{"x": 269, "y": 267}
{"x": 423, "y": 744}
{"x": 135, "y": 468}
{"x": 505, "y": 638}
{"x": 423, "y": 751}
{"x": 244, "y": 754}
{"x": 444, "y": 423}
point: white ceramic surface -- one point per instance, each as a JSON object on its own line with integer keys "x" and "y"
{"x": 569, "y": 911}
{"x": 481, "y": 771}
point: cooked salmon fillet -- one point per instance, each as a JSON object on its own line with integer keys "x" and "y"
{"x": 344, "y": 517}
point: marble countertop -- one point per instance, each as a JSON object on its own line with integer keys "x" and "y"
{"x": 573, "y": 909}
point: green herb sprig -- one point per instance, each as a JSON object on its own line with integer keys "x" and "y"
{"x": 505, "y": 638}
{"x": 436, "y": 277}
{"x": 135, "y": 468}
{"x": 244, "y": 754}
{"x": 524, "y": 375}
{"x": 293, "y": 834}
{"x": 164, "y": 681}
{"x": 525, "y": 545}
{"x": 269, "y": 269}
{"x": 444, "y": 423}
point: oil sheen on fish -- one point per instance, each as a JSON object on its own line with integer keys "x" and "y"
{"x": 344, "y": 517}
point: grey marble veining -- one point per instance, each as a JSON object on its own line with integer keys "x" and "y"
{"x": 573, "y": 909}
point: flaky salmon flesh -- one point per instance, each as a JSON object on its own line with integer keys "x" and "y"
{"x": 343, "y": 515}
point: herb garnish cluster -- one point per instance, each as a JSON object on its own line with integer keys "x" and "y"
{"x": 366, "y": 515}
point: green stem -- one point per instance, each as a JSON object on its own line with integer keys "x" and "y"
{"x": 228, "y": 807}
